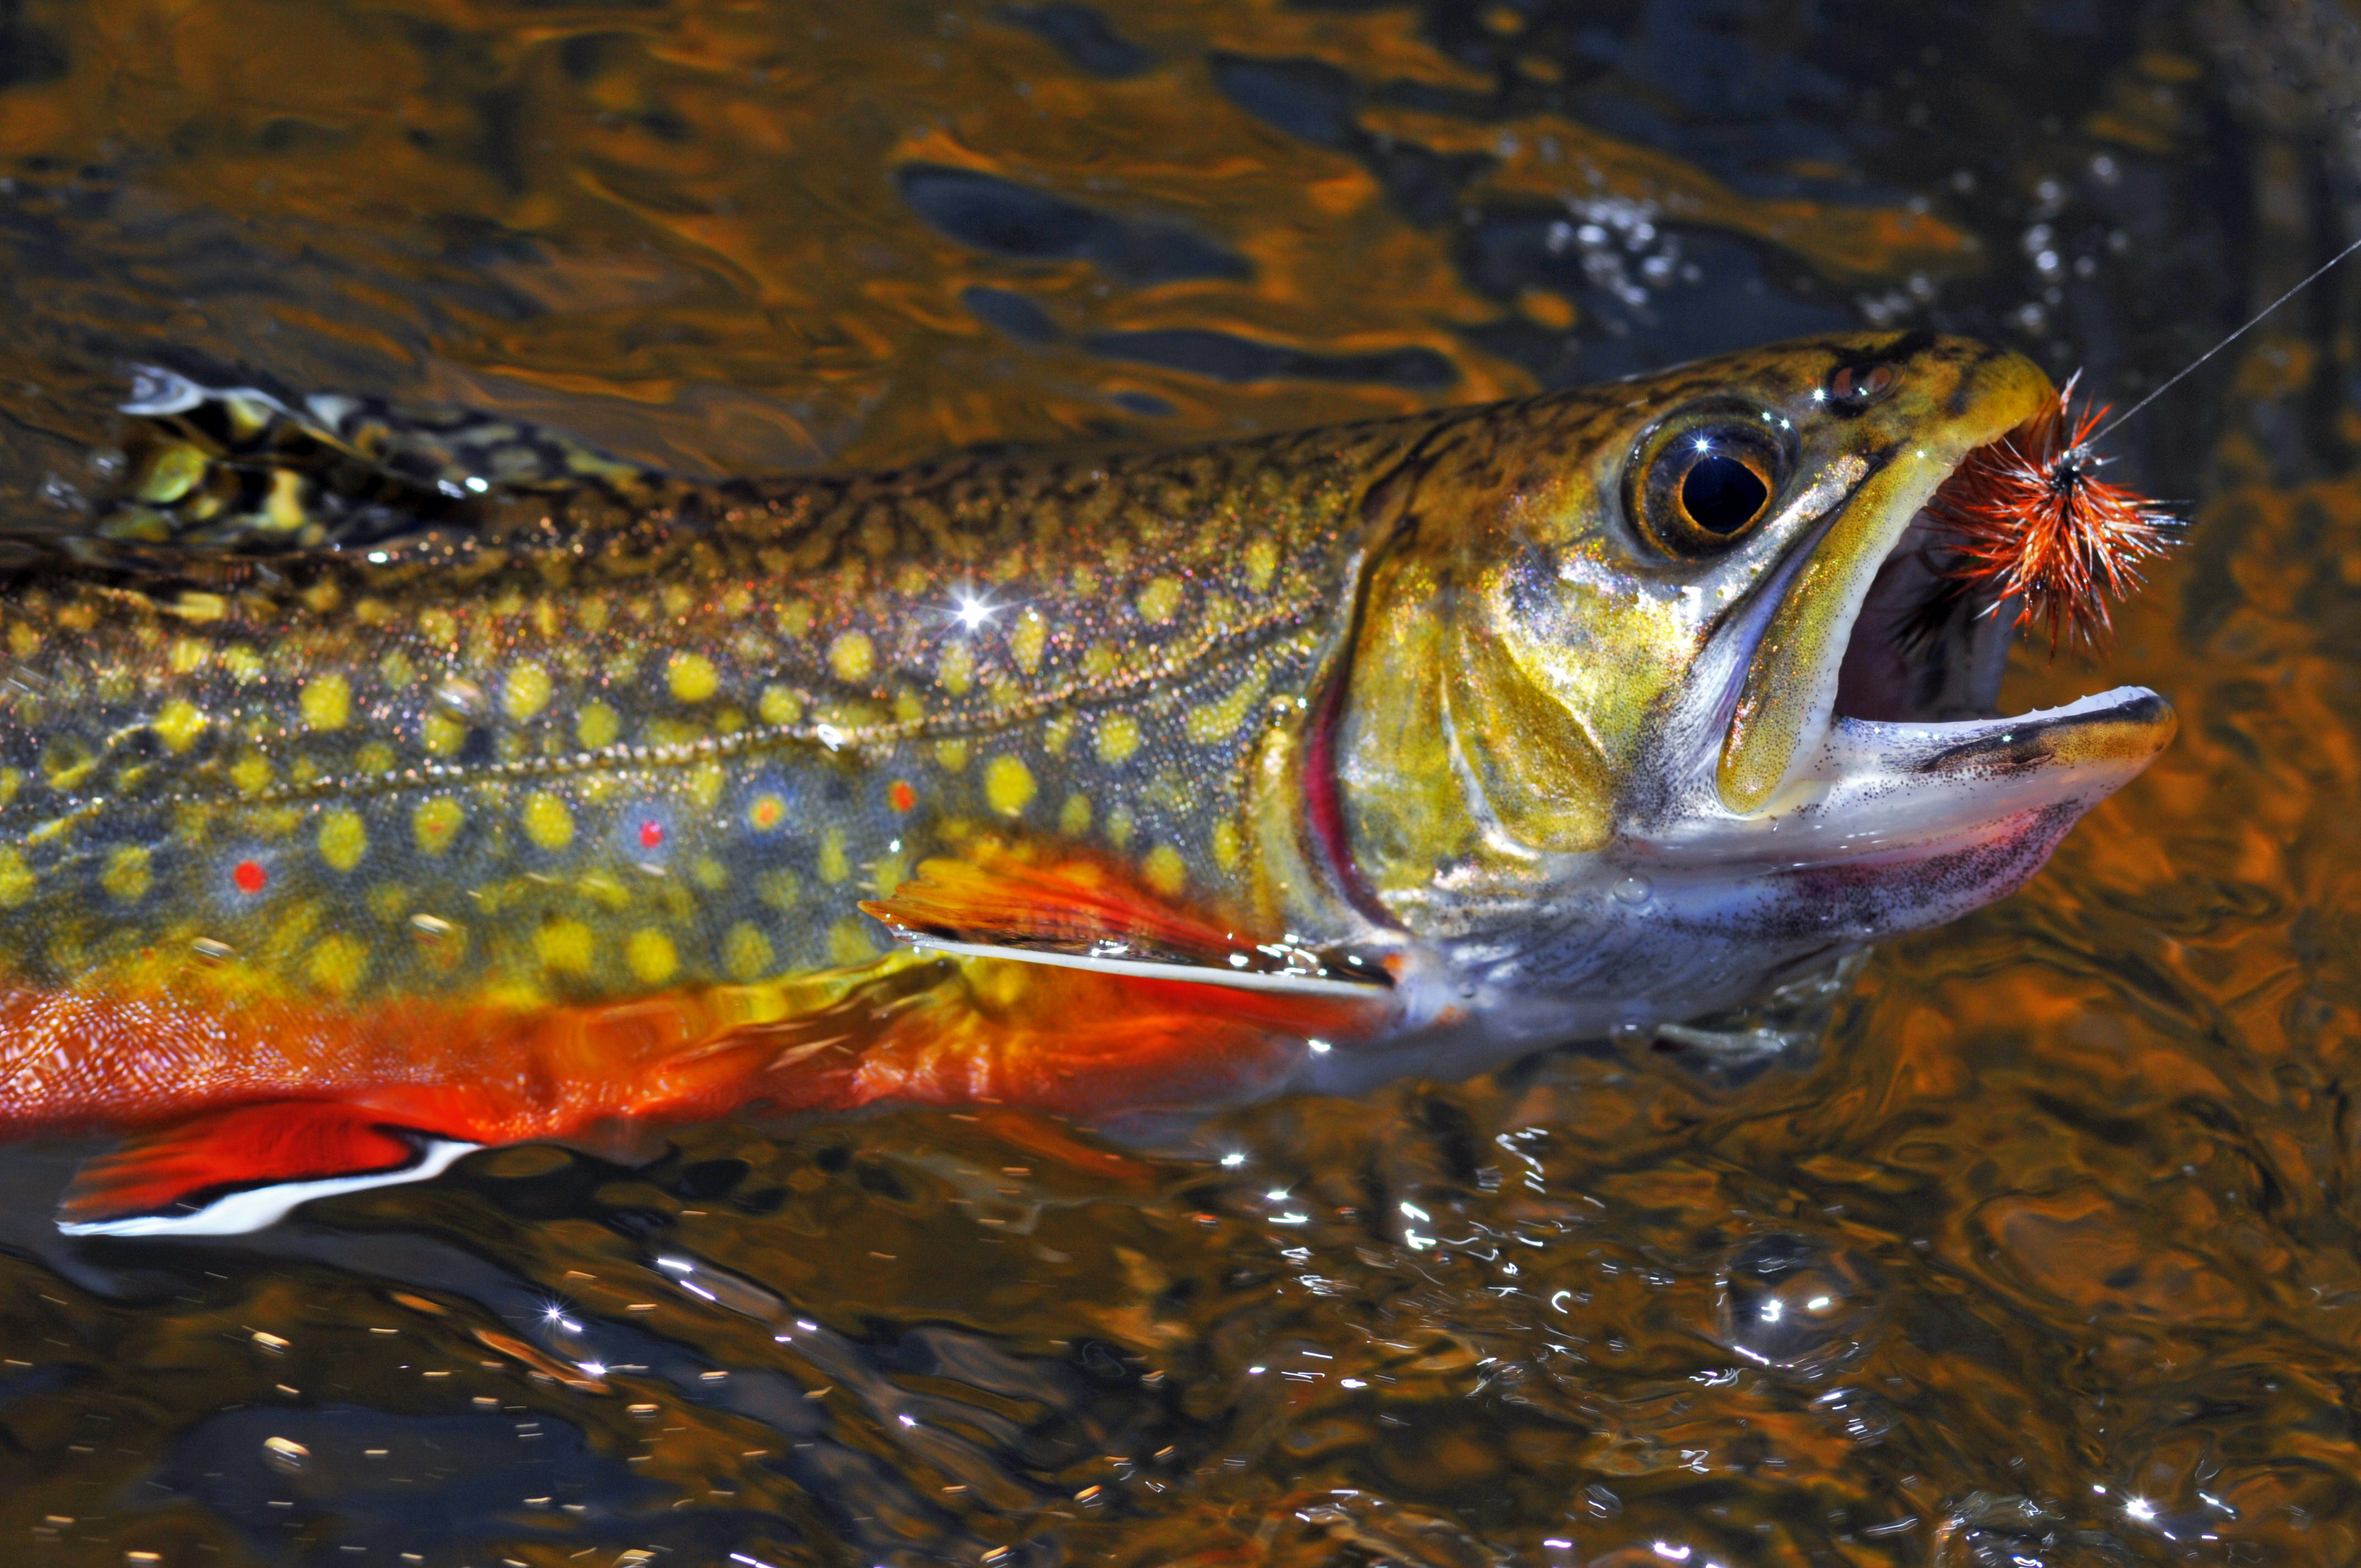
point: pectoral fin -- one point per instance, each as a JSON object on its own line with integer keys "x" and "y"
{"x": 1085, "y": 915}
{"x": 232, "y": 1171}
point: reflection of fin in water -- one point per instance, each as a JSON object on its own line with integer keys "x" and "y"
{"x": 240, "y": 469}
{"x": 238, "y": 1170}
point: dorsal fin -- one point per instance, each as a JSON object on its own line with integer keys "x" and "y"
{"x": 1076, "y": 912}
{"x": 240, "y": 469}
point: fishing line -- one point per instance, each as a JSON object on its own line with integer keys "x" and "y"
{"x": 2255, "y": 320}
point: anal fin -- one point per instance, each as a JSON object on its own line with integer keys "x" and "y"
{"x": 231, "y": 1171}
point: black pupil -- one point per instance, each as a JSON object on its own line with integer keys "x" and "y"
{"x": 1723, "y": 495}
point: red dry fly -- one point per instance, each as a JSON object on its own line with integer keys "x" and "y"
{"x": 2030, "y": 520}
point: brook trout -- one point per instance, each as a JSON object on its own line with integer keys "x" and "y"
{"x": 467, "y": 793}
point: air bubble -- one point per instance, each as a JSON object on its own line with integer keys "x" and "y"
{"x": 1633, "y": 890}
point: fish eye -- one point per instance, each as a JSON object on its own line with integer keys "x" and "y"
{"x": 1699, "y": 484}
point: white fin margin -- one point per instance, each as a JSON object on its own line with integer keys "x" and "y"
{"x": 259, "y": 1207}
{"x": 1195, "y": 974}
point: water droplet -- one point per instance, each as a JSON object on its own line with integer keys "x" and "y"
{"x": 462, "y": 698}
{"x": 1633, "y": 890}
{"x": 285, "y": 1454}
{"x": 1786, "y": 1301}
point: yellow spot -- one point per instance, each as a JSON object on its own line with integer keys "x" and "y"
{"x": 955, "y": 670}
{"x": 200, "y": 607}
{"x": 1262, "y": 560}
{"x": 377, "y": 757}
{"x": 710, "y": 874}
{"x": 746, "y": 952}
{"x": 127, "y": 874}
{"x": 1119, "y": 828}
{"x": 833, "y": 866}
{"x": 1098, "y": 660}
{"x": 1212, "y": 721}
{"x": 435, "y": 823}
{"x": 16, "y": 879}
{"x": 1075, "y": 816}
{"x": 1057, "y": 734}
{"x": 1226, "y": 845}
{"x": 852, "y": 657}
{"x": 951, "y": 756}
{"x": 180, "y": 722}
{"x": 442, "y": 733}
{"x": 339, "y": 963}
{"x": 907, "y": 707}
{"x": 650, "y": 955}
{"x": 547, "y": 822}
{"x": 327, "y": 701}
{"x": 1118, "y": 738}
{"x": 23, "y": 641}
{"x": 528, "y": 691}
{"x": 1008, "y": 785}
{"x": 565, "y": 946}
{"x": 596, "y": 726}
{"x": 779, "y": 706}
{"x": 703, "y": 785}
{"x": 1160, "y": 600}
{"x": 678, "y": 599}
{"x": 1164, "y": 871}
{"x": 592, "y": 614}
{"x": 188, "y": 654}
{"x": 251, "y": 773}
{"x": 692, "y": 676}
{"x": 343, "y": 839}
{"x": 1028, "y": 639}
{"x": 779, "y": 889}
{"x": 849, "y": 944}
{"x": 242, "y": 661}
{"x": 796, "y": 616}
{"x": 11, "y": 780}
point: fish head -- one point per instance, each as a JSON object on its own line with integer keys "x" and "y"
{"x": 1659, "y": 692}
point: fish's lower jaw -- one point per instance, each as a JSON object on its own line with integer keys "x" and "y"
{"x": 1881, "y": 791}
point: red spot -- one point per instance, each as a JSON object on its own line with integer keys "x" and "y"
{"x": 902, "y": 795}
{"x": 651, "y": 835}
{"x": 250, "y": 876}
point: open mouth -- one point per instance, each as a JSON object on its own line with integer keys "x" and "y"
{"x": 1867, "y": 711}
{"x": 1925, "y": 647}
{"x": 1916, "y": 749}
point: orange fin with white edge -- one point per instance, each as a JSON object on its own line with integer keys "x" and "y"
{"x": 229, "y": 1172}
{"x": 1082, "y": 914}
{"x": 1060, "y": 1038}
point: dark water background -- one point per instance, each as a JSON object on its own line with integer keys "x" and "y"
{"x": 2061, "y": 1218}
